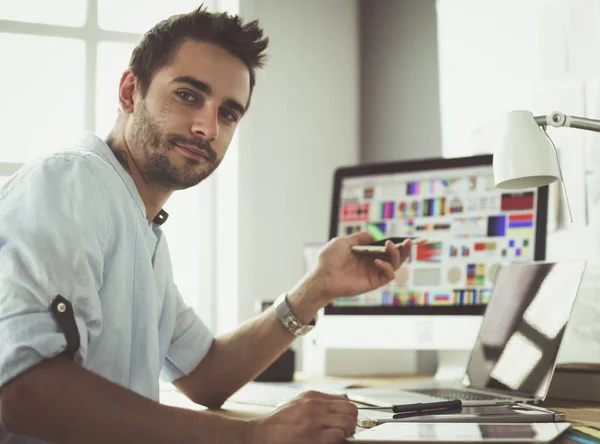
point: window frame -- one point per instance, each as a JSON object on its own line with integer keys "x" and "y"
{"x": 92, "y": 35}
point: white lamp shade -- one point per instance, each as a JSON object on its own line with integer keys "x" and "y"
{"x": 525, "y": 157}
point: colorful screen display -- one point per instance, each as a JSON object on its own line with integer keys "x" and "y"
{"x": 471, "y": 228}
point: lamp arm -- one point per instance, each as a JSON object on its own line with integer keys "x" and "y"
{"x": 558, "y": 119}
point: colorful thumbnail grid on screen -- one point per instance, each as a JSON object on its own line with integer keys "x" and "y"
{"x": 472, "y": 229}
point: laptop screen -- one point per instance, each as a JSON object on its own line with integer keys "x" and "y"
{"x": 523, "y": 327}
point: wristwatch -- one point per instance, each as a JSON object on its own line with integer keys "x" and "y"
{"x": 289, "y": 319}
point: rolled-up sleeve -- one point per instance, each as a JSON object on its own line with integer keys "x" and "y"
{"x": 190, "y": 343}
{"x": 54, "y": 229}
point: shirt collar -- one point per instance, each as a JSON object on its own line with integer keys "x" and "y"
{"x": 94, "y": 144}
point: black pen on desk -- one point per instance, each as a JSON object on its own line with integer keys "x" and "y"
{"x": 435, "y": 412}
{"x": 420, "y": 406}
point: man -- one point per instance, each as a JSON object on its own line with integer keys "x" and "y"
{"x": 89, "y": 314}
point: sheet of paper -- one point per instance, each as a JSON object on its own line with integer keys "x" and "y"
{"x": 581, "y": 342}
{"x": 592, "y": 139}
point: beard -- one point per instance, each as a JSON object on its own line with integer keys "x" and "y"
{"x": 156, "y": 167}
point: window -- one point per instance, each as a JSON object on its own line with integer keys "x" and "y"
{"x": 52, "y": 12}
{"x": 41, "y": 102}
{"x": 483, "y": 78}
{"x": 145, "y": 14}
{"x": 61, "y": 65}
{"x": 112, "y": 58}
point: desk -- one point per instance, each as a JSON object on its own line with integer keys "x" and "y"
{"x": 574, "y": 410}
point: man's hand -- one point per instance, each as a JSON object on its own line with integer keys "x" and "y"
{"x": 312, "y": 418}
{"x": 346, "y": 273}
{"x": 342, "y": 273}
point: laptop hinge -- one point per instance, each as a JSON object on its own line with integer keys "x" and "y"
{"x": 505, "y": 393}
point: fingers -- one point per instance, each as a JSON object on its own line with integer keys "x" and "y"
{"x": 344, "y": 407}
{"x": 398, "y": 255}
{"x": 330, "y": 403}
{"x": 386, "y": 271}
{"x": 335, "y": 410}
{"x": 313, "y": 417}
{"x": 338, "y": 414}
{"x": 393, "y": 254}
{"x": 346, "y": 423}
{"x": 405, "y": 250}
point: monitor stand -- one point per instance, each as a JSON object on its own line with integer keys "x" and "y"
{"x": 390, "y": 344}
{"x": 451, "y": 364}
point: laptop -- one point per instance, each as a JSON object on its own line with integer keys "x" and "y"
{"x": 517, "y": 347}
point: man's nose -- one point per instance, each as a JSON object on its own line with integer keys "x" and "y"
{"x": 206, "y": 122}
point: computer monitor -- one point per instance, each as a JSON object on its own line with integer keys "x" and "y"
{"x": 438, "y": 296}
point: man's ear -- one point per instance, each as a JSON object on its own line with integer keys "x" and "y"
{"x": 127, "y": 91}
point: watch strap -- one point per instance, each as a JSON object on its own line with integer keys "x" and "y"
{"x": 289, "y": 320}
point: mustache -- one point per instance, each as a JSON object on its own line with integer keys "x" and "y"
{"x": 202, "y": 145}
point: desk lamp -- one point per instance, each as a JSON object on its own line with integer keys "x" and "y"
{"x": 527, "y": 157}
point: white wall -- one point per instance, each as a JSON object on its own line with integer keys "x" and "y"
{"x": 500, "y": 56}
{"x": 538, "y": 55}
{"x": 303, "y": 122}
{"x": 399, "y": 80}
{"x": 485, "y": 68}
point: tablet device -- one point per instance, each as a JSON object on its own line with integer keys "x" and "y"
{"x": 400, "y": 432}
{"x": 514, "y": 413}
{"x": 378, "y": 247}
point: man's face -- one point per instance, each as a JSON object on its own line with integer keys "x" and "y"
{"x": 178, "y": 134}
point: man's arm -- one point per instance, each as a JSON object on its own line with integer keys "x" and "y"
{"x": 238, "y": 357}
{"x": 61, "y": 402}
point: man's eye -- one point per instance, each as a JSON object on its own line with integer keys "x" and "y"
{"x": 228, "y": 115}
{"x": 186, "y": 96}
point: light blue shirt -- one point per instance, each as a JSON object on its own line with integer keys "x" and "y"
{"x": 74, "y": 224}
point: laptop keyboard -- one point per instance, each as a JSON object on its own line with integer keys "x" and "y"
{"x": 457, "y": 394}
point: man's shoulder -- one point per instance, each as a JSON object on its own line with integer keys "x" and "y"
{"x": 76, "y": 161}
{"x": 73, "y": 165}
{"x": 73, "y": 172}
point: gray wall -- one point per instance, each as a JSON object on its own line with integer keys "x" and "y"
{"x": 400, "y": 111}
{"x": 400, "y": 97}
{"x": 303, "y": 123}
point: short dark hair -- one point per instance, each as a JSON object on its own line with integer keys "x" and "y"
{"x": 242, "y": 40}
